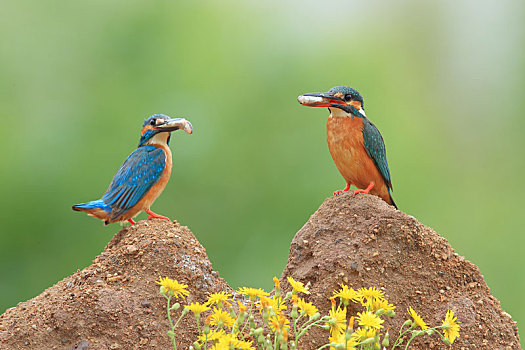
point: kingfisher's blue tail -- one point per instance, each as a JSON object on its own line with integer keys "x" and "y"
{"x": 97, "y": 209}
{"x": 98, "y": 204}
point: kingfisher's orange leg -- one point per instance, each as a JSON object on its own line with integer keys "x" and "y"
{"x": 152, "y": 215}
{"x": 366, "y": 190}
{"x": 131, "y": 221}
{"x": 344, "y": 190}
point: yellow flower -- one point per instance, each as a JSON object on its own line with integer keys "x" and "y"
{"x": 339, "y": 339}
{"x": 279, "y": 322}
{"x": 172, "y": 287}
{"x": 265, "y": 303}
{"x": 346, "y": 294}
{"x": 221, "y": 316}
{"x": 298, "y": 287}
{"x": 450, "y": 327}
{"x": 213, "y": 336}
{"x": 253, "y": 293}
{"x": 369, "y": 319}
{"x": 228, "y": 341}
{"x": 337, "y": 321}
{"x": 277, "y": 283}
{"x": 207, "y": 320}
{"x": 307, "y": 308}
{"x": 370, "y": 294}
{"x": 218, "y": 298}
{"x": 274, "y": 303}
{"x": 242, "y": 307}
{"x": 285, "y": 335}
{"x": 381, "y": 304}
{"x": 197, "y": 308}
{"x": 417, "y": 319}
{"x": 351, "y": 323}
{"x": 244, "y": 345}
{"x": 362, "y": 334}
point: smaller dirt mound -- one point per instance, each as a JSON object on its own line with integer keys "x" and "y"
{"x": 115, "y": 302}
{"x": 363, "y": 242}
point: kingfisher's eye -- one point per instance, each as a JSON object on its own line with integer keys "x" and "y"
{"x": 348, "y": 97}
{"x": 153, "y": 122}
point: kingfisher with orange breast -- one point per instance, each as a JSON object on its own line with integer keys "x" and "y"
{"x": 356, "y": 145}
{"x": 142, "y": 177}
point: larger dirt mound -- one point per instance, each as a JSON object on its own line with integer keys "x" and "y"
{"x": 361, "y": 241}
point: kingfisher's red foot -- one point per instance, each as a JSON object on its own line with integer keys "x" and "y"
{"x": 366, "y": 190}
{"x": 341, "y": 191}
{"x": 152, "y": 215}
{"x": 131, "y": 221}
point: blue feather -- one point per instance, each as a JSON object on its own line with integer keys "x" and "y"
{"x": 375, "y": 147}
{"x": 97, "y": 204}
{"x": 140, "y": 171}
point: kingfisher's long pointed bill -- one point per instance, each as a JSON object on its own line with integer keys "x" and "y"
{"x": 320, "y": 99}
{"x": 175, "y": 124}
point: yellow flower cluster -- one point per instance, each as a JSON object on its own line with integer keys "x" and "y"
{"x": 372, "y": 299}
{"x": 228, "y": 325}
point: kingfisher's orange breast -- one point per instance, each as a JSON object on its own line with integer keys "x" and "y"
{"x": 157, "y": 189}
{"x": 346, "y": 145}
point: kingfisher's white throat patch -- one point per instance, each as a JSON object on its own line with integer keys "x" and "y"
{"x": 337, "y": 112}
{"x": 160, "y": 139}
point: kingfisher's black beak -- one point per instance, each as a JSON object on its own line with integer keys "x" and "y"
{"x": 320, "y": 99}
{"x": 175, "y": 124}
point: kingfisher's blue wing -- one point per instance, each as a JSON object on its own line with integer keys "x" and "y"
{"x": 375, "y": 147}
{"x": 140, "y": 171}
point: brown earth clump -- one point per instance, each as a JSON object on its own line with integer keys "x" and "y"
{"x": 357, "y": 240}
{"x": 115, "y": 303}
{"x": 363, "y": 242}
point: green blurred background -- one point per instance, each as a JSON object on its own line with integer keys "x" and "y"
{"x": 442, "y": 80}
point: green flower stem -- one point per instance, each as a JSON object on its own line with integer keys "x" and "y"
{"x": 308, "y": 327}
{"x": 295, "y": 326}
{"x": 415, "y": 335}
{"x": 441, "y": 335}
{"x": 307, "y": 322}
{"x": 410, "y": 340}
{"x": 401, "y": 334}
{"x": 247, "y": 320}
{"x": 258, "y": 345}
{"x": 197, "y": 319}
{"x": 172, "y": 327}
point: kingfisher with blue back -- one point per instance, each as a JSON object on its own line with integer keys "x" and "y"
{"x": 356, "y": 145}
{"x": 142, "y": 177}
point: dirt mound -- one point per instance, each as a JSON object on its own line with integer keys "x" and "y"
{"x": 115, "y": 303}
{"x": 361, "y": 241}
